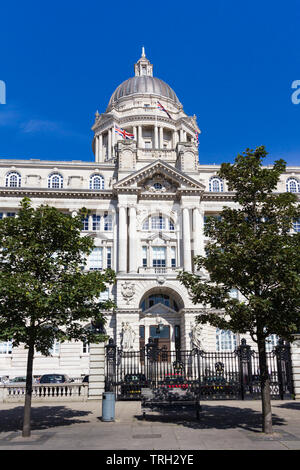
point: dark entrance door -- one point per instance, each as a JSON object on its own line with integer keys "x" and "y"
{"x": 161, "y": 336}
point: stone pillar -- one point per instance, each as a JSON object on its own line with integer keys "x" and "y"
{"x": 122, "y": 239}
{"x": 113, "y": 141}
{"x": 156, "y": 137}
{"x": 186, "y": 240}
{"x": 96, "y": 148}
{"x": 132, "y": 240}
{"x": 140, "y": 136}
{"x": 198, "y": 235}
{"x": 181, "y": 135}
{"x": 101, "y": 148}
{"x": 97, "y": 371}
{"x": 109, "y": 145}
{"x": 295, "y": 353}
{"x": 135, "y": 133}
{"x": 161, "y": 137}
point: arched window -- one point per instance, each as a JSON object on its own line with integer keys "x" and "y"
{"x": 293, "y": 185}
{"x": 159, "y": 298}
{"x": 55, "y": 181}
{"x": 215, "y": 185}
{"x": 96, "y": 182}
{"x": 13, "y": 180}
{"x": 225, "y": 340}
{"x": 158, "y": 222}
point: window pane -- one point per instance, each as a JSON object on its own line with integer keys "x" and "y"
{"x": 107, "y": 222}
{"x": 96, "y": 222}
{"x": 159, "y": 256}
{"x": 95, "y": 260}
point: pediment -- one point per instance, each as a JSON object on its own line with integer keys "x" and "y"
{"x": 159, "y": 178}
{"x": 158, "y": 309}
{"x": 158, "y": 237}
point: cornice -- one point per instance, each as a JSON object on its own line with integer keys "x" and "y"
{"x": 56, "y": 193}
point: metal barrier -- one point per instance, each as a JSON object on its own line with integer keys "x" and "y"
{"x": 197, "y": 373}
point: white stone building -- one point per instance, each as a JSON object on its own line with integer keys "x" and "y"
{"x": 148, "y": 196}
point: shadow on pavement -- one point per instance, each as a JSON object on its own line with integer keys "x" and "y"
{"x": 43, "y": 417}
{"x": 215, "y": 417}
{"x": 290, "y": 406}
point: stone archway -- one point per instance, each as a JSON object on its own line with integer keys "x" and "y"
{"x": 160, "y": 317}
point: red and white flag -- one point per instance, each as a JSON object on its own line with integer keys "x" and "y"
{"x": 123, "y": 133}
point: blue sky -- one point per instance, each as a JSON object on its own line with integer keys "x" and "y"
{"x": 231, "y": 63}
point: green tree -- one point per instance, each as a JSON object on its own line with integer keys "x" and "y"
{"x": 45, "y": 295}
{"x": 252, "y": 248}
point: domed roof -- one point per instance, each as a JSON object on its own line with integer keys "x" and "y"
{"x": 143, "y": 85}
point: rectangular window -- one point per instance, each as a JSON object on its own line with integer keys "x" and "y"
{"x": 55, "y": 348}
{"x": 6, "y": 347}
{"x": 95, "y": 260}
{"x": 85, "y": 223}
{"x": 159, "y": 257}
{"x": 107, "y": 222}
{"x": 144, "y": 256}
{"x": 104, "y": 295}
{"x": 173, "y": 256}
{"x": 96, "y": 222}
{"x": 1, "y": 215}
{"x": 85, "y": 348}
{"x": 108, "y": 257}
{"x": 10, "y": 214}
{"x": 296, "y": 225}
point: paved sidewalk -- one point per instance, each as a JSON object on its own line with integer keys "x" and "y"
{"x": 224, "y": 425}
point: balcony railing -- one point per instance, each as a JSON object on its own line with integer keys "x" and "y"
{"x": 158, "y": 270}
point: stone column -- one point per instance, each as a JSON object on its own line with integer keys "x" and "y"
{"x": 186, "y": 240}
{"x": 97, "y": 372}
{"x": 122, "y": 239}
{"x": 295, "y": 353}
{"x": 101, "y": 148}
{"x": 156, "y": 137}
{"x": 96, "y": 148}
{"x": 113, "y": 141}
{"x": 135, "y": 133}
{"x": 140, "y": 136}
{"x": 198, "y": 235}
{"x": 132, "y": 240}
{"x": 161, "y": 137}
{"x": 109, "y": 145}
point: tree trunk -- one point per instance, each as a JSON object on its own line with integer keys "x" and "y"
{"x": 27, "y": 407}
{"x": 265, "y": 387}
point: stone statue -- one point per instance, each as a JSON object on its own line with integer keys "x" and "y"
{"x": 196, "y": 332}
{"x": 128, "y": 336}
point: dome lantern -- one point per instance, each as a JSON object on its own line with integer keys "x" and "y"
{"x": 143, "y": 67}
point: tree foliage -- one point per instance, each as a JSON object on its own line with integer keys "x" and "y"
{"x": 44, "y": 293}
{"x": 251, "y": 248}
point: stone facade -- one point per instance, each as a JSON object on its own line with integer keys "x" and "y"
{"x": 148, "y": 196}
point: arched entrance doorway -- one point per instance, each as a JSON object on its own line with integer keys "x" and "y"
{"x": 160, "y": 318}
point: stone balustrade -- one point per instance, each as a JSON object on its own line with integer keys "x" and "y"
{"x": 45, "y": 392}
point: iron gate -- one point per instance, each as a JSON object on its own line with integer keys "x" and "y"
{"x": 207, "y": 375}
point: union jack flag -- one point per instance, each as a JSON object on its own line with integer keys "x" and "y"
{"x": 123, "y": 133}
{"x": 197, "y": 137}
{"x": 160, "y": 106}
